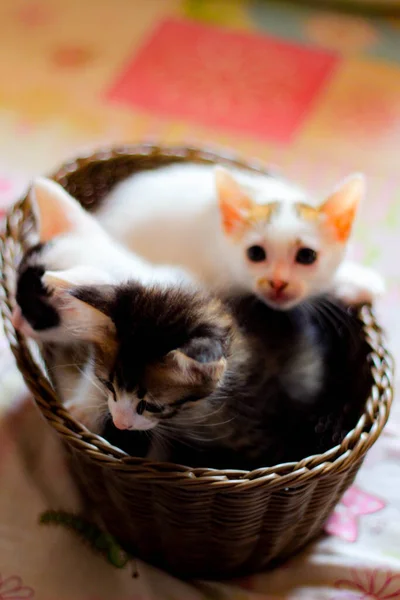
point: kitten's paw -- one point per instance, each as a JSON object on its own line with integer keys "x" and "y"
{"x": 35, "y": 312}
{"x": 359, "y": 285}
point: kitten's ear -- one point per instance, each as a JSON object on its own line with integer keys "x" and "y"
{"x": 199, "y": 364}
{"x": 234, "y": 203}
{"x": 82, "y": 298}
{"x": 56, "y": 211}
{"x": 341, "y": 207}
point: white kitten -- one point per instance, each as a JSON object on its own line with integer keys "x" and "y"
{"x": 242, "y": 229}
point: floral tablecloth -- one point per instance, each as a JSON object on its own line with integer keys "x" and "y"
{"x": 357, "y": 559}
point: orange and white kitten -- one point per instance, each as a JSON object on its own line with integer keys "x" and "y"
{"x": 239, "y": 229}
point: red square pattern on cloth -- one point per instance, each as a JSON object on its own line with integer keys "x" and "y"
{"x": 239, "y": 82}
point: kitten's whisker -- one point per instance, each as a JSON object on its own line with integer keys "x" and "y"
{"x": 199, "y": 421}
{"x": 161, "y": 439}
{"x": 217, "y": 423}
{"x": 66, "y": 366}
{"x": 168, "y": 435}
{"x": 327, "y": 316}
{"x": 177, "y": 433}
{"x": 312, "y": 312}
{"x": 332, "y": 312}
{"x": 91, "y": 380}
{"x": 194, "y": 415}
{"x": 346, "y": 323}
{"x": 178, "y": 430}
{"x": 89, "y": 408}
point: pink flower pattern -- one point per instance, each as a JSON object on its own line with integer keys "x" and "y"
{"x": 11, "y": 588}
{"x": 344, "y": 521}
{"x": 369, "y": 585}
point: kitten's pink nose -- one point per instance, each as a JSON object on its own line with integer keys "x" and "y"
{"x": 121, "y": 422}
{"x": 278, "y": 285}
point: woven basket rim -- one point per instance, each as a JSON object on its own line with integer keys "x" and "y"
{"x": 335, "y": 460}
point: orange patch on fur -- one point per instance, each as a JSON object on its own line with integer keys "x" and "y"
{"x": 262, "y": 212}
{"x": 262, "y": 283}
{"x": 307, "y": 212}
{"x": 236, "y": 219}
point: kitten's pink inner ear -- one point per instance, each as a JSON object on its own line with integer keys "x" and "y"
{"x": 56, "y": 211}
{"x": 234, "y": 204}
{"x": 84, "y": 321}
{"x": 341, "y": 207}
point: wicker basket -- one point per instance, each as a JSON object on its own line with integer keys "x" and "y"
{"x": 194, "y": 522}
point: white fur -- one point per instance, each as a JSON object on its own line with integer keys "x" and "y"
{"x": 356, "y": 284}
{"x": 83, "y": 398}
{"x": 98, "y": 250}
{"x": 78, "y": 239}
{"x": 171, "y": 216}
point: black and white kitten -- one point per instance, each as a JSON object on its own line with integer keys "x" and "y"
{"x": 85, "y": 346}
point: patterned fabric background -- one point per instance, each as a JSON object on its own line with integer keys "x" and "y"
{"x": 314, "y": 92}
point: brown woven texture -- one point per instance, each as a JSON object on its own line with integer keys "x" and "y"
{"x": 194, "y": 522}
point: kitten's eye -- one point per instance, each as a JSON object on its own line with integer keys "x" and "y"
{"x": 256, "y": 254}
{"x": 306, "y": 256}
{"x": 154, "y": 408}
{"x": 151, "y": 408}
{"x": 141, "y": 407}
{"x": 109, "y": 385}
